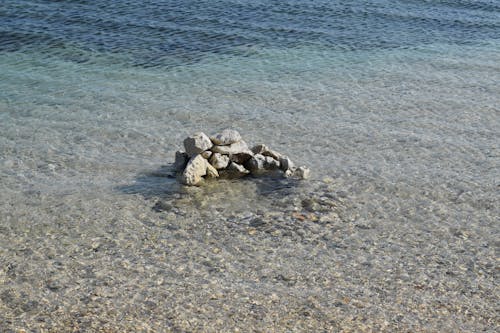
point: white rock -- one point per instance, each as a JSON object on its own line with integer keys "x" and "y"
{"x": 226, "y": 137}
{"x": 195, "y": 170}
{"x": 264, "y": 150}
{"x": 219, "y": 161}
{"x": 197, "y": 143}
{"x": 211, "y": 171}
{"x": 206, "y": 154}
{"x": 302, "y": 172}
{"x": 181, "y": 160}
{"x": 235, "y": 170}
{"x": 234, "y": 148}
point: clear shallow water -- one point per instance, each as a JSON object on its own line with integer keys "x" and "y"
{"x": 397, "y": 103}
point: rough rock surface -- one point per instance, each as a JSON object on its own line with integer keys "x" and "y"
{"x": 197, "y": 143}
{"x": 195, "y": 170}
{"x": 211, "y": 171}
{"x": 219, "y": 161}
{"x": 302, "y": 172}
{"x": 241, "y": 157}
{"x": 256, "y": 163}
{"x": 264, "y": 150}
{"x": 271, "y": 163}
{"x": 227, "y": 155}
{"x": 226, "y": 137}
{"x": 234, "y": 148}
{"x": 206, "y": 154}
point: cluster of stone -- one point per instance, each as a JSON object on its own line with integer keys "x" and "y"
{"x": 227, "y": 155}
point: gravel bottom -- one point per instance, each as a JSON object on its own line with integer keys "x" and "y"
{"x": 241, "y": 256}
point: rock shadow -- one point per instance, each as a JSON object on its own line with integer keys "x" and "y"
{"x": 248, "y": 192}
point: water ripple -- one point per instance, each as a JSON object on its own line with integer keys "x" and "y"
{"x": 165, "y": 33}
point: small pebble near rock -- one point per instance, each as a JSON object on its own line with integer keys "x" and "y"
{"x": 225, "y": 154}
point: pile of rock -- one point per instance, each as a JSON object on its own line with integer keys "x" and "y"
{"x": 227, "y": 155}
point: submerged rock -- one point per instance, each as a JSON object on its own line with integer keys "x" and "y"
{"x": 302, "y": 172}
{"x": 197, "y": 143}
{"x": 206, "y": 154}
{"x": 219, "y": 161}
{"x": 226, "y": 137}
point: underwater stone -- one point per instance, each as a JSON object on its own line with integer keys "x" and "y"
{"x": 234, "y": 148}
{"x": 219, "y": 161}
{"x": 302, "y": 172}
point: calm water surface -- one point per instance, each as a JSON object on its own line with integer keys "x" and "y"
{"x": 394, "y": 105}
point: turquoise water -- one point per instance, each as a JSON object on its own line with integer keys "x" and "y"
{"x": 393, "y": 105}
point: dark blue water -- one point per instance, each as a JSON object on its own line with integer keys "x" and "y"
{"x": 148, "y": 31}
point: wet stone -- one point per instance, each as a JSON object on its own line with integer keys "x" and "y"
{"x": 225, "y": 154}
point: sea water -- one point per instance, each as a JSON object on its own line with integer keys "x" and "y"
{"x": 394, "y": 105}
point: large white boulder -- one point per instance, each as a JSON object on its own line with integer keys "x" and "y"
{"x": 226, "y": 137}
{"x": 197, "y": 143}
